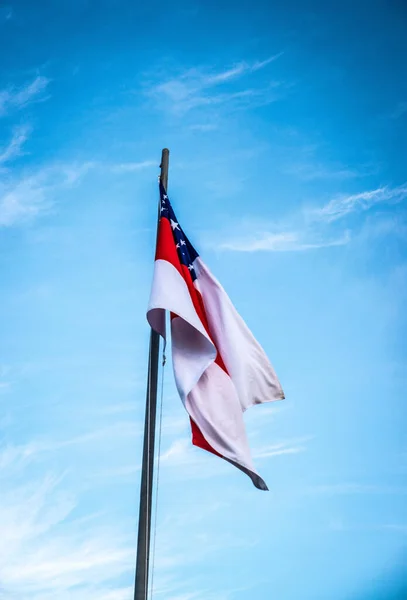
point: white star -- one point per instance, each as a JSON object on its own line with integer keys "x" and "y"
{"x": 183, "y": 242}
{"x": 165, "y": 197}
{"x": 177, "y": 245}
{"x": 163, "y": 208}
{"x": 174, "y": 225}
{"x": 190, "y": 267}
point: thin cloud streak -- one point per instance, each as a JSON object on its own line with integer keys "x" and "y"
{"x": 17, "y": 98}
{"x": 18, "y": 456}
{"x": 345, "y": 205}
{"x": 295, "y": 446}
{"x": 131, "y": 167}
{"x": 281, "y": 242}
{"x": 47, "y": 552}
{"x": 203, "y": 127}
{"x": 225, "y": 75}
{"x": 316, "y": 224}
{"x": 263, "y": 63}
{"x": 239, "y": 70}
{"x": 30, "y": 196}
{"x": 198, "y": 88}
{"x": 13, "y": 149}
{"x": 179, "y": 453}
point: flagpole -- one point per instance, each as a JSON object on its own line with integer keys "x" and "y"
{"x": 147, "y": 471}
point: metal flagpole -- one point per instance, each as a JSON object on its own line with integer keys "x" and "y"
{"x": 146, "y": 487}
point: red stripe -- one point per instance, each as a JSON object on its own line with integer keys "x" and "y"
{"x": 166, "y": 250}
{"x": 199, "y": 440}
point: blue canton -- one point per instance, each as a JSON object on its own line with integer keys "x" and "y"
{"x": 186, "y": 252}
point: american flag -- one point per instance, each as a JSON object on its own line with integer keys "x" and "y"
{"x": 220, "y": 369}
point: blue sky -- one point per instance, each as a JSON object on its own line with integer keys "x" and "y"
{"x": 287, "y": 130}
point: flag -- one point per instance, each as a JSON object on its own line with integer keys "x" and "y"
{"x": 220, "y": 369}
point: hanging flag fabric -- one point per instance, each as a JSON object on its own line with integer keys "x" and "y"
{"x": 220, "y": 369}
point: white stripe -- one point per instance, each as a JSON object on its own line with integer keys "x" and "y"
{"x": 214, "y": 406}
{"x": 192, "y": 349}
{"x": 245, "y": 360}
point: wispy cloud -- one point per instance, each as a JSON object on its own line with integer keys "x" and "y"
{"x": 311, "y": 228}
{"x": 295, "y": 446}
{"x": 29, "y": 196}
{"x": 344, "y": 205}
{"x": 16, "y": 455}
{"x": 131, "y": 167}
{"x": 16, "y": 98}
{"x": 14, "y": 147}
{"x": 198, "y": 87}
{"x": 242, "y": 68}
{"x": 195, "y": 464}
{"x": 203, "y": 127}
{"x": 19, "y": 456}
{"x": 290, "y": 241}
{"x": 51, "y": 544}
{"x": 221, "y": 77}
{"x": 179, "y": 452}
{"x": 186, "y": 462}
{"x": 45, "y": 552}
{"x": 263, "y": 63}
